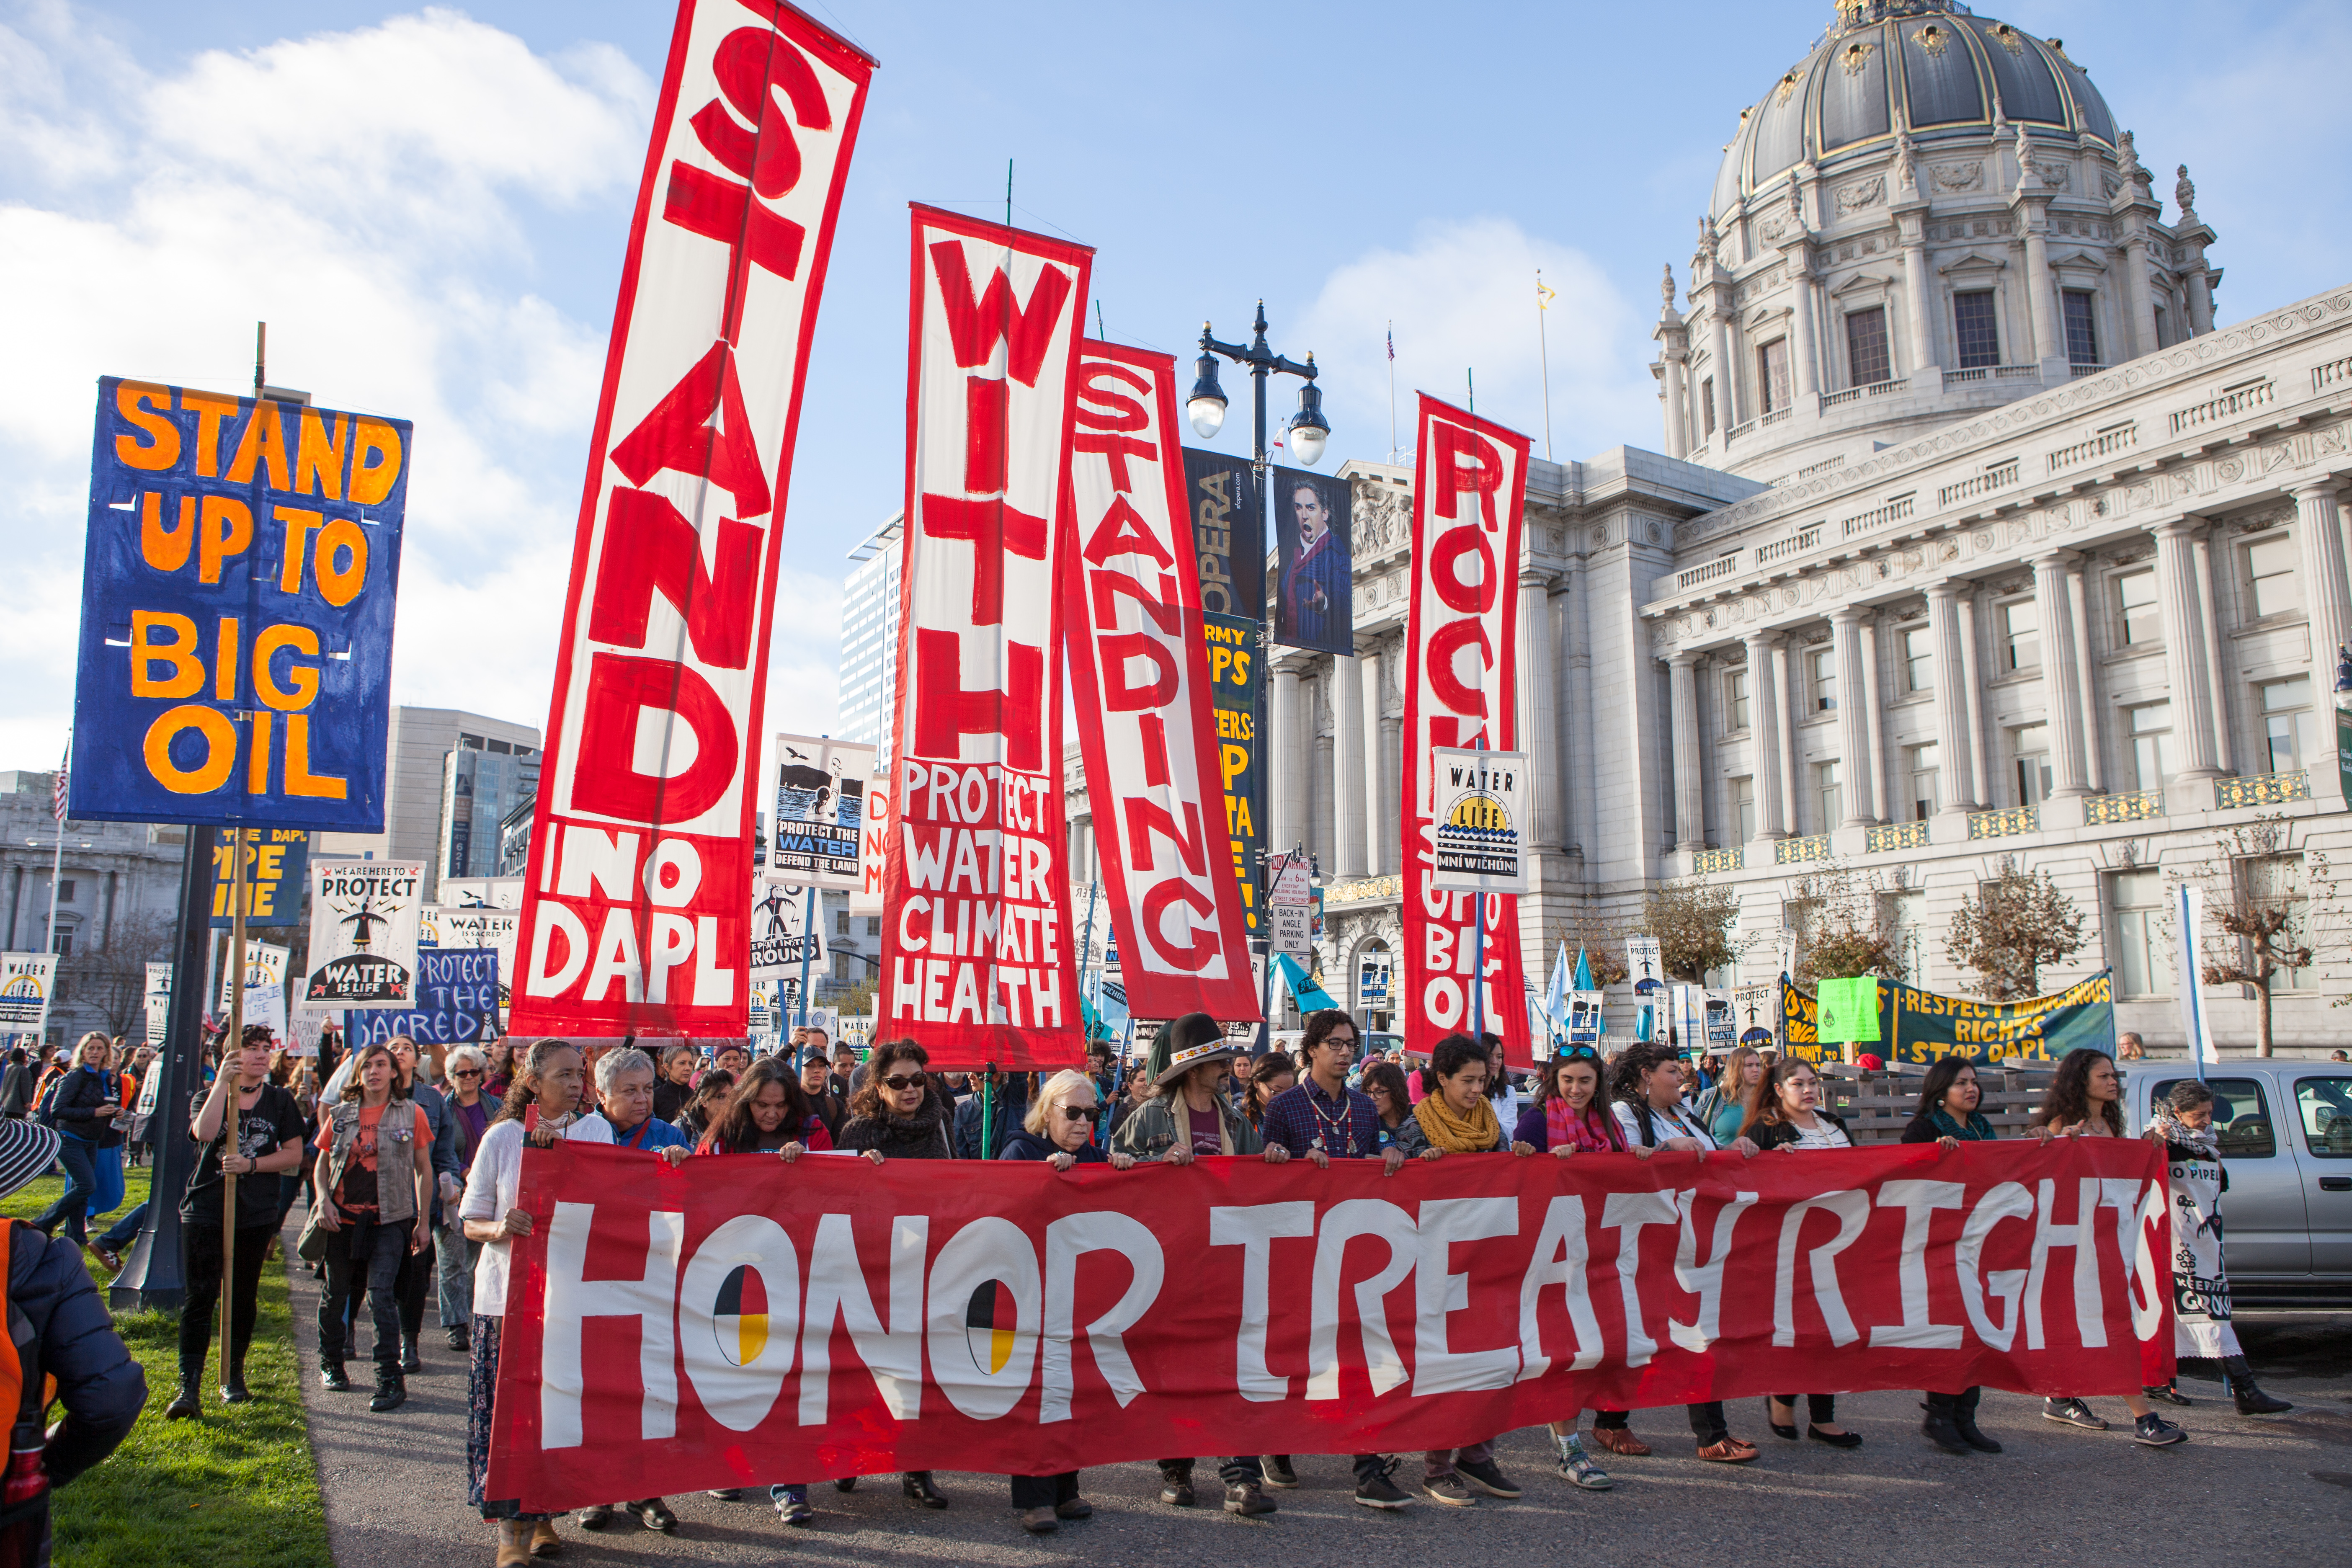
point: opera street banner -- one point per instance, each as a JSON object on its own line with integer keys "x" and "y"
{"x": 741, "y": 1318}
{"x": 1314, "y": 603}
{"x": 975, "y": 940}
{"x": 1131, "y": 611}
{"x": 1470, "y": 487}
{"x": 1228, "y": 538}
{"x": 364, "y": 919}
{"x": 1916, "y": 1026}
{"x": 636, "y": 906}
{"x": 238, "y": 588}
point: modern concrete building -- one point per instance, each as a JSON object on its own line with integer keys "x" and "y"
{"x": 419, "y": 740}
{"x": 869, "y": 640}
{"x": 1975, "y": 540}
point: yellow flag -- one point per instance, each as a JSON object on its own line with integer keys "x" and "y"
{"x": 1545, "y": 294}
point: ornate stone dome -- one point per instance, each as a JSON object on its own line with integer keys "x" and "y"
{"x": 1887, "y": 65}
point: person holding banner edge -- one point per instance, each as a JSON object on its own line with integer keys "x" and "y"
{"x": 1565, "y": 1121}
{"x": 1184, "y": 1119}
{"x": 1320, "y": 1118}
{"x": 1948, "y": 1117}
{"x": 1786, "y": 1114}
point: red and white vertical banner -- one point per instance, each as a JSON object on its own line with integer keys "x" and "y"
{"x": 635, "y": 916}
{"x": 1131, "y": 610}
{"x": 1470, "y": 486}
{"x": 976, "y": 959}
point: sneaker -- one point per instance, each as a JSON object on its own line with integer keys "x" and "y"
{"x": 1247, "y": 1500}
{"x": 2073, "y": 1413}
{"x": 1485, "y": 1476}
{"x": 1450, "y": 1490}
{"x": 1278, "y": 1473}
{"x": 1576, "y": 1466}
{"x": 1382, "y": 1491}
{"x": 596, "y": 1516}
{"x": 653, "y": 1514}
{"x": 726, "y": 1494}
{"x": 792, "y": 1505}
{"x": 2156, "y": 1432}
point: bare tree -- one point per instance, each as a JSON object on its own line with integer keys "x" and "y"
{"x": 112, "y": 979}
{"x": 1602, "y": 941}
{"x": 1693, "y": 922}
{"x": 2262, "y": 903}
{"x": 2010, "y": 927}
{"x": 1847, "y": 938}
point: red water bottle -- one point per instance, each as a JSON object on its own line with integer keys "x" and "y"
{"x": 27, "y": 1477}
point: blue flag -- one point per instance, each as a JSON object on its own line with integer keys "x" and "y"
{"x": 1584, "y": 970}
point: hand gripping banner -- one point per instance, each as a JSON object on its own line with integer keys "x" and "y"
{"x": 1131, "y": 610}
{"x": 1470, "y": 486}
{"x": 741, "y": 1318}
{"x": 976, "y": 963}
{"x": 635, "y": 913}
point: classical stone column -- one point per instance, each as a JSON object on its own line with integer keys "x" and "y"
{"x": 1284, "y": 752}
{"x": 2319, "y": 531}
{"x": 1677, "y": 401}
{"x": 1951, "y": 697}
{"x": 1853, "y": 718}
{"x": 1915, "y": 285}
{"x": 2094, "y": 742}
{"x": 1391, "y": 824}
{"x": 1579, "y": 764}
{"x": 2184, "y": 645}
{"x": 2200, "y": 295}
{"x": 1719, "y": 326}
{"x": 2216, "y": 649}
{"x": 1802, "y": 356}
{"x": 1533, "y": 733}
{"x": 1873, "y": 721}
{"x": 1379, "y": 790}
{"x": 2139, "y": 301}
{"x": 1972, "y": 685}
{"x": 1690, "y": 798}
{"x": 1352, "y": 782}
{"x": 2041, "y": 291}
{"x": 1764, "y": 733}
{"x": 2061, "y": 673}
{"x": 1323, "y": 813}
{"x": 1785, "y": 740}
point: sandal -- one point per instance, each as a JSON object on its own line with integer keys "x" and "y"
{"x": 1729, "y": 1451}
{"x": 1619, "y": 1440}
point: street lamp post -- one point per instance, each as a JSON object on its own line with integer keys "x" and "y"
{"x": 1308, "y": 431}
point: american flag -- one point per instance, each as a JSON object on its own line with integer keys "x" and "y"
{"x": 1392, "y": 343}
{"x": 58, "y": 796}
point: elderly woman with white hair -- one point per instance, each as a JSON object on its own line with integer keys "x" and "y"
{"x": 471, "y": 1110}
{"x": 624, "y": 1103}
{"x": 1060, "y": 1131}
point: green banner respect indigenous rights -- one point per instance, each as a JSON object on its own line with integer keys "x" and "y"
{"x": 1916, "y": 1025}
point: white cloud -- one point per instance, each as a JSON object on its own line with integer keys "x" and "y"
{"x": 371, "y": 194}
{"x": 1462, "y": 297}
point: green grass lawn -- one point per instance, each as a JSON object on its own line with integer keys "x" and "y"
{"x": 236, "y": 1488}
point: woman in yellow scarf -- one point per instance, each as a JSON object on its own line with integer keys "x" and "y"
{"x": 1458, "y": 1118}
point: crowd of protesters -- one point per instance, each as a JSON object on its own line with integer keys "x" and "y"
{"x": 408, "y": 1170}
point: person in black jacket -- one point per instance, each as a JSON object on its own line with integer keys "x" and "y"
{"x": 1948, "y": 1117}
{"x": 86, "y": 1101}
{"x": 1003, "y": 1098}
{"x": 16, "y": 1084}
{"x": 1060, "y": 1131}
{"x": 67, "y": 1335}
{"x": 1787, "y": 1114}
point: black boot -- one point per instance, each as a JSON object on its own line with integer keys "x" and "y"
{"x": 1941, "y": 1426}
{"x": 2252, "y": 1400}
{"x": 391, "y": 1390}
{"x": 191, "y": 1400}
{"x": 1176, "y": 1483}
{"x": 1964, "y": 1418}
{"x": 332, "y": 1376}
{"x": 919, "y": 1490}
{"x": 232, "y": 1389}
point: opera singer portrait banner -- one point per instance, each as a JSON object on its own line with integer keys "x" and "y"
{"x": 1314, "y": 604}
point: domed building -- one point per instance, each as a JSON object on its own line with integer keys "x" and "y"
{"x": 1932, "y": 213}
{"x": 1975, "y": 541}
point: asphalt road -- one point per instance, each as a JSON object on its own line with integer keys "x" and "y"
{"x": 2277, "y": 1488}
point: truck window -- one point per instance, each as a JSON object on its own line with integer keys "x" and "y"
{"x": 2325, "y": 1104}
{"x": 2241, "y": 1116}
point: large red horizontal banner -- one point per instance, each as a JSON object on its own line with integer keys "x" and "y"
{"x": 741, "y": 1321}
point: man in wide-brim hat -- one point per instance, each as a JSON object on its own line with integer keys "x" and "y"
{"x": 1186, "y": 1118}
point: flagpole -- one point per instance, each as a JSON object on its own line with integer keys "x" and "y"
{"x": 57, "y": 870}
{"x": 1393, "y": 442}
{"x": 1478, "y": 919}
{"x": 1543, "y": 347}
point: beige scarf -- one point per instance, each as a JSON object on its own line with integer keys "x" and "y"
{"x": 1472, "y": 1134}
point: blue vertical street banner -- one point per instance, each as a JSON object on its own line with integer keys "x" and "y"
{"x": 1234, "y": 677}
{"x": 237, "y": 588}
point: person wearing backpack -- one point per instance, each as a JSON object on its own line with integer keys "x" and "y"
{"x": 61, "y": 1347}
{"x": 81, "y": 1105}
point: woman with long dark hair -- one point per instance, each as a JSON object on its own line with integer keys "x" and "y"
{"x": 1648, "y": 1085}
{"x": 374, "y": 1188}
{"x": 712, "y": 1093}
{"x": 2085, "y": 1099}
{"x": 1948, "y": 1116}
{"x": 541, "y": 1108}
{"x": 898, "y": 1112}
{"x": 1568, "y": 1119}
{"x": 768, "y": 1112}
{"x": 1384, "y": 1083}
{"x": 1786, "y": 1114}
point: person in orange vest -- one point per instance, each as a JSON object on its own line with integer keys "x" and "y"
{"x": 60, "y": 1347}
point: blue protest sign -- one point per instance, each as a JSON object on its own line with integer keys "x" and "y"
{"x": 238, "y": 588}
{"x": 456, "y": 1002}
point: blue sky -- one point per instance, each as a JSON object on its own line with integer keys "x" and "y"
{"x": 430, "y": 205}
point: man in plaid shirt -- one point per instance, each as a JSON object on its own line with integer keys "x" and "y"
{"x": 1319, "y": 1117}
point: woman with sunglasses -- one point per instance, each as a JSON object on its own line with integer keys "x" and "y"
{"x": 896, "y": 1113}
{"x": 1567, "y": 1119}
{"x": 1060, "y": 1131}
{"x": 1786, "y": 1114}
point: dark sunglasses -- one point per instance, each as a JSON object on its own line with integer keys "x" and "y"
{"x": 898, "y": 1083}
{"x": 1083, "y": 1112}
{"x": 466, "y": 1072}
